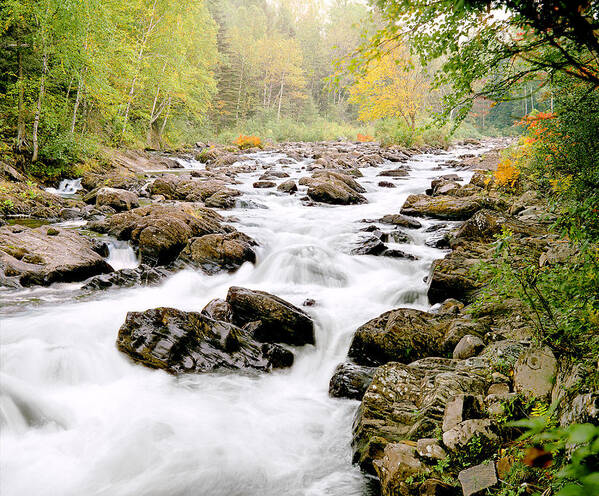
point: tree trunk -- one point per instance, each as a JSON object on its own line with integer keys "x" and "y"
{"x": 239, "y": 91}
{"x": 280, "y": 97}
{"x": 36, "y": 121}
{"x": 20, "y": 113}
{"x": 76, "y": 105}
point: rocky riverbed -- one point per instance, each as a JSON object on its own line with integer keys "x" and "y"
{"x": 219, "y": 319}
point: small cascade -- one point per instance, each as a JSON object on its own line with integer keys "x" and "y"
{"x": 121, "y": 255}
{"x": 66, "y": 188}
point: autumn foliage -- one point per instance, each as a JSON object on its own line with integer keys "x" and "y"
{"x": 244, "y": 142}
{"x": 365, "y": 138}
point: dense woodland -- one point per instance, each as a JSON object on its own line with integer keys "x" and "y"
{"x": 77, "y": 75}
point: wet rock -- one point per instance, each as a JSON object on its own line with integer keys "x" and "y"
{"x": 144, "y": 275}
{"x": 215, "y": 191}
{"x": 452, "y": 276}
{"x": 334, "y": 188}
{"x": 281, "y": 322}
{"x": 350, "y": 381}
{"x": 534, "y": 373}
{"x": 442, "y": 207}
{"x": 161, "y": 231}
{"x": 401, "y": 220}
{"x": 119, "y": 199}
{"x": 408, "y": 401}
{"x": 48, "y": 254}
{"x": 401, "y": 335}
{"x": 264, "y": 184}
{"x": 225, "y": 198}
{"x": 184, "y": 342}
{"x": 475, "y": 480}
{"x": 468, "y": 346}
{"x": 394, "y": 173}
{"x": 370, "y": 246}
{"x": 451, "y": 306}
{"x": 398, "y": 462}
{"x": 215, "y": 252}
{"x": 218, "y": 309}
{"x": 436, "y": 487}
{"x": 309, "y": 302}
{"x": 288, "y": 186}
{"x": 386, "y": 184}
{"x": 70, "y": 213}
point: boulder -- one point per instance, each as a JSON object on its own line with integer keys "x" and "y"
{"x": 468, "y": 346}
{"x": 401, "y": 220}
{"x": 386, "y": 184}
{"x": 475, "y": 480}
{"x": 462, "y": 407}
{"x": 457, "y": 438}
{"x": 430, "y": 448}
{"x": 394, "y": 173}
{"x": 280, "y": 321}
{"x": 48, "y": 254}
{"x": 144, "y": 275}
{"x": 534, "y": 373}
{"x": 398, "y": 462}
{"x": 453, "y": 277}
{"x": 288, "y": 186}
{"x": 264, "y": 184}
{"x": 218, "y": 309}
{"x": 442, "y": 207}
{"x": 335, "y": 188}
{"x": 215, "y": 252}
{"x": 408, "y": 401}
{"x": 350, "y": 381}
{"x": 119, "y": 199}
{"x": 160, "y": 232}
{"x": 184, "y": 342}
{"x": 401, "y": 335}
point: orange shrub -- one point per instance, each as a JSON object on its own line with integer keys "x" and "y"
{"x": 364, "y": 138}
{"x": 507, "y": 173}
{"x": 244, "y": 142}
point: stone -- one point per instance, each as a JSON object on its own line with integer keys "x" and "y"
{"x": 143, "y": 275}
{"x": 218, "y": 309}
{"x": 468, "y": 346}
{"x": 184, "y": 342}
{"x": 407, "y": 402}
{"x": 450, "y": 306}
{"x": 119, "y": 199}
{"x": 350, "y": 381}
{"x": 394, "y": 173}
{"x": 435, "y": 487}
{"x": 281, "y": 322}
{"x": 264, "y": 184}
{"x": 475, "y": 480}
{"x": 160, "y": 232}
{"x": 498, "y": 389}
{"x": 215, "y": 252}
{"x": 461, "y": 407}
{"x": 459, "y": 436}
{"x": 334, "y": 188}
{"x": 401, "y": 335}
{"x": 399, "y": 461}
{"x": 288, "y": 186}
{"x": 48, "y": 254}
{"x": 430, "y": 448}
{"x": 534, "y": 373}
{"x": 442, "y": 207}
{"x": 386, "y": 184}
{"x": 401, "y": 220}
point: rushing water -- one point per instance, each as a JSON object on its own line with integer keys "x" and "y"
{"x": 66, "y": 188}
{"x": 79, "y": 418}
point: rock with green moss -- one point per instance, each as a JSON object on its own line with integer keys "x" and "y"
{"x": 215, "y": 252}
{"x": 407, "y": 402}
{"x": 443, "y": 207}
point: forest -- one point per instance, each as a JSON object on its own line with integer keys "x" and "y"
{"x": 299, "y": 247}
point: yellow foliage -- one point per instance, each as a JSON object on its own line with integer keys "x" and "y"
{"x": 392, "y": 86}
{"x": 561, "y": 184}
{"x": 507, "y": 173}
{"x": 244, "y": 142}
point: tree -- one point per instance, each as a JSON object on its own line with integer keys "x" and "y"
{"x": 391, "y": 86}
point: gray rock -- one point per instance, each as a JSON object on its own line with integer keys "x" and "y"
{"x": 534, "y": 372}
{"x": 461, "y": 407}
{"x": 119, "y": 199}
{"x": 476, "y": 479}
{"x": 399, "y": 461}
{"x": 460, "y": 435}
{"x": 350, "y": 381}
{"x": 430, "y": 448}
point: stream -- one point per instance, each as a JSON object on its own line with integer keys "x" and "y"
{"x": 79, "y": 418}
